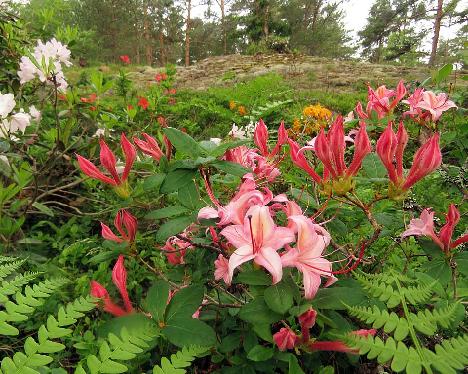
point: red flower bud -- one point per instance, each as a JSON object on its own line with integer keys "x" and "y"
{"x": 285, "y": 339}
{"x": 119, "y": 277}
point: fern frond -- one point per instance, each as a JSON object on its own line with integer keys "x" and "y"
{"x": 381, "y": 318}
{"x": 449, "y": 356}
{"x": 426, "y": 321}
{"x": 123, "y": 348}
{"x": 7, "y": 259}
{"x": 179, "y": 360}
{"x": 10, "y": 287}
{"x": 9, "y": 267}
{"x": 384, "y": 291}
{"x": 25, "y": 303}
{"x": 36, "y": 352}
{"x": 388, "y": 277}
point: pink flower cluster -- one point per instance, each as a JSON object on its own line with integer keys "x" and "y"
{"x": 261, "y": 160}
{"x": 424, "y": 226}
{"x": 249, "y": 224}
{"x": 424, "y": 105}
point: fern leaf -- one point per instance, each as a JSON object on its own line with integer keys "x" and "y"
{"x": 10, "y": 267}
{"x": 118, "y": 348}
{"x": 26, "y": 303}
{"x": 179, "y": 360}
{"x": 37, "y": 352}
{"x": 10, "y": 287}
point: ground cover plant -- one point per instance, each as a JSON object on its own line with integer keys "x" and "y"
{"x": 247, "y": 228}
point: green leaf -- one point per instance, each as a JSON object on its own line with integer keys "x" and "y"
{"x": 279, "y": 297}
{"x": 437, "y": 269}
{"x": 294, "y": 367}
{"x": 183, "y": 142}
{"x": 43, "y": 209}
{"x": 254, "y": 278}
{"x": 184, "y": 303}
{"x": 182, "y": 331}
{"x": 336, "y": 297}
{"x": 188, "y": 196}
{"x": 169, "y": 211}
{"x": 156, "y": 300}
{"x": 153, "y": 182}
{"x": 222, "y": 148}
{"x": 177, "y": 179}
{"x": 257, "y": 311}
{"x": 173, "y": 227}
{"x": 373, "y": 167}
{"x": 260, "y": 353}
{"x": 443, "y": 73}
{"x": 230, "y": 168}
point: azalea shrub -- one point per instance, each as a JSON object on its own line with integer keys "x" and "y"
{"x": 128, "y": 243}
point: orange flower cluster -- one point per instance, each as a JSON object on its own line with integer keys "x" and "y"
{"x": 313, "y": 118}
{"x": 240, "y": 108}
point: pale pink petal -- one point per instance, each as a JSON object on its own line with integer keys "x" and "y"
{"x": 312, "y": 283}
{"x": 271, "y": 261}
{"x": 241, "y": 255}
{"x": 208, "y": 213}
{"x": 236, "y": 236}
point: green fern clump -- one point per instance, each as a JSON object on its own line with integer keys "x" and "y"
{"x": 403, "y": 348}
{"x": 19, "y": 303}
{"x": 179, "y": 360}
{"x": 37, "y": 352}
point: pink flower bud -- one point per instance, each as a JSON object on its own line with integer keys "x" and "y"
{"x": 261, "y": 137}
{"x": 386, "y": 148}
{"x": 307, "y": 319}
{"x": 285, "y": 339}
{"x": 149, "y": 147}
{"x": 446, "y": 232}
{"x": 130, "y": 155}
{"x": 362, "y": 148}
{"x": 119, "y": 277}
{"x": 426, "y": 160}
{"x": 299, "y": 160}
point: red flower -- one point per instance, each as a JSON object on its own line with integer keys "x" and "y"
{"x": 261, "y": 139}
{"x": 119, "y": 278}
{"x": 125, "y": 59}
{"x": 162, "y": 121}
{"x": 160, "y": 77}
{"x": 90, "y": 99}
{"x": 129, "y": 107}
{"x": 130, "y": 224}
{"x": 143, "y": 103}
{"x": 172, "y": 91}
{"x": 150, "y": 147}
{"x": 109, "y": 162}
{"x": 307, "y": 321}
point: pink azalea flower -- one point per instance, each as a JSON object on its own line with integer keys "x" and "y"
{"x": 261, "y": 139}
{"x": 258, "y": 239}
{"x": 127, "y": 235}
{"x": 390, "y": 148}
{"x": 413, "y": 101}
{"x": 109, "y": 162}
{"x": 379, "y": 101}
{"x": 234, "y": 212}
{"x": 424, "y": 226}
{"x": 307, "y": 256}
{"x": 435, "y": 104}
{"x": 330, "y": 149}
{"x": 176, "y": 248}
{"x": 222, "y": 269}
{"x": 119, "y": 278}
{"x": 149, "y": 147}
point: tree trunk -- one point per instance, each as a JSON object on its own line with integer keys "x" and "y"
{"x": 266, "y": 16}
{"x": 187, "y": 34}
{"x": 162, "y": 49}
{"x": 223, "y": 23}
{"x": 147, "y": 36}
{"x": 435, "y": 39}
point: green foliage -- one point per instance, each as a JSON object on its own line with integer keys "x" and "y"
{"x": 178, "y": 361}
{"x": 125, "y": 347}
{"x": 37, "y": 353}
{"x": 395, "y": 348}
{"x": 25, "y": 300}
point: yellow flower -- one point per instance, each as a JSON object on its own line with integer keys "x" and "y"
{"x": 317, "y": 112}
{"x": 242, "y": 111}
{"x": 232, "y": 105}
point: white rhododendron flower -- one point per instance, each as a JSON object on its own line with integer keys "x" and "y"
{"x": 7, "y": 103}
{"x": 217, "y": 141}
{"x": 49, "y": 58}
{"x": 19, "y": 121}
{"x": 99, "y": 133}
{"x": 35, "y": 114}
